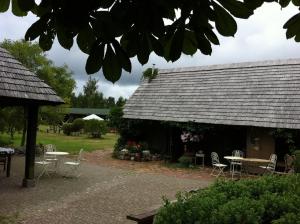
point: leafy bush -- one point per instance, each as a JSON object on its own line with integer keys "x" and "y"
{"x": 120, "y": 144}
{"x": 77, "y": 125}
{"x": 297, "y": 161}
{"x": 270, "y": 199}
{"x": 95, "y": 128}
{"x": 185, "y": 161}
{"x": 67, "y": 128}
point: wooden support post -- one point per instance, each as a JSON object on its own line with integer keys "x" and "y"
{"x": 28, "y": 180}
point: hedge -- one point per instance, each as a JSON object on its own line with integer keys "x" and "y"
{"x": 269, "y": 199}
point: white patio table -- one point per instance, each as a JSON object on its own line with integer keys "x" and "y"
{"x": 60, "y": 157}
{"x": 242, "y": 159}
{"x": 233, "y": 158}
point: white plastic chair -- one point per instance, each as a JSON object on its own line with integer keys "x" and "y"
{"x": 272, "y": 164}
{"x": 217, "y": 166}
{"x": 73, "y": 166}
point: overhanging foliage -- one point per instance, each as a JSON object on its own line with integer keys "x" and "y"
{"x": 111, "y": 32}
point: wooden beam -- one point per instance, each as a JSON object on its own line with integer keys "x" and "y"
{"x": 29, "y": 180}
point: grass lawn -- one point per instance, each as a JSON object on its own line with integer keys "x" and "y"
{"x": 71, "y": 144}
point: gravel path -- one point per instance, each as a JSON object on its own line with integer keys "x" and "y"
{"x": 101, "y": 194}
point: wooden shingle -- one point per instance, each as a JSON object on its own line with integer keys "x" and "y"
{"x": 17, "y": 83}
{"x": 263, "y": 94}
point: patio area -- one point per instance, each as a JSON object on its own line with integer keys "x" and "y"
{"x": 104, "y": 193}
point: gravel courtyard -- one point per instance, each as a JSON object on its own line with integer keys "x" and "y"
{"x": 102, "y": 194}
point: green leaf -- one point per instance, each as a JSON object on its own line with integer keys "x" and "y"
{"x": 122, "y": 56}
{"x": 112, "y": 69}
{"x": 16, "y": 10}
{"x": 46, "y": 41}
{"x": 253, "y": 4}
{"x": 296, "y": 2}
{"x": 95, "y": 59}
{"x": 106, "y": 3}
{"x": 86, "y": 39}
{"x": 189, "y": 43}
{"x": 64, "y": 38}
{"x": 26, "y": 5}
{"x": 176, "y": 44}
{"x": 284, "y": 3}
{"x": 225, "y": 23}
{"x": 143, "y": 49}
{"x": 4, "y": 5}
{"x": 237, "y": 8}
{"x": 292, "y": 26}
{"x": 204, "y": 45}
{"x": 35, "y": 30}
{"x": 157, "y": 46}
{"x": 129, "y": 43}
{"x": 211, "y": 36}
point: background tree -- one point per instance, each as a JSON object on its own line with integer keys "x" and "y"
{"x": 115, "y": 117}
{"x": 120, "y": 102}
{"x": 95, "y": 128}
{"x": 111, "y": 32}
{"x": 93, "y": 98}
{"x": 11, "y": 120}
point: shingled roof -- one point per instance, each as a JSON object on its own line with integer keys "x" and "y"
{"x": 263, "y": 94}
{"x": 19, "y": 86}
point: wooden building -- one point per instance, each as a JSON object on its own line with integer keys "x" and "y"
{"x": 250, "y": 99}
{"x": 20, "y": 87}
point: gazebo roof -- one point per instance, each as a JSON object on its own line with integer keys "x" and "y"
{"x": 19, "y": 86}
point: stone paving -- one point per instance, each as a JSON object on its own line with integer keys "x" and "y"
{"x": 102, "y": 194}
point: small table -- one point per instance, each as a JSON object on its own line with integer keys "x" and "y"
{"x": 200, "y": 155}
{"x": 59, "y": 154}
{"x": 231, "y": 159}
{"x": 7, "y": 152}
{"x": 251, "y": 164}
{"x": 248, "y": 160}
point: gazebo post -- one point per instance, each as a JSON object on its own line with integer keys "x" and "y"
{"x": 29, "y": 180}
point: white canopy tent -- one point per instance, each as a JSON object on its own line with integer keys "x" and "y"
{"x": 93, "y": 116}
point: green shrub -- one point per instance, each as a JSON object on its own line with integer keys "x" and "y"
{"x": 77, "y": 125}
{"x": 95, "y": 128}
{"x": 120, "y": 144}
{"x": 297, "y": 161}
{"x": 269, "y": 199}
{"x": 67, "y": 128}
{"x": 185, "y": 161}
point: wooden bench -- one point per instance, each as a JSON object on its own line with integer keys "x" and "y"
{"x": 144, "y": 218}
{"x": 148, "y": 216}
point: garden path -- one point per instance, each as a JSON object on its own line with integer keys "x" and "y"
{"x": 104, "y": 193}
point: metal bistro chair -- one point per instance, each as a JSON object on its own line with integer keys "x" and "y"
{"x": 50, "y": 148}
{"x": 235, "y": 164}
{"x": 217, "y": 166}
{"x": 44, "y": 167}
{"x": 74, "y": 165}
{"x": 272, "y": 164}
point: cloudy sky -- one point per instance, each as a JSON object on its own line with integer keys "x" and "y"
{"x": 259, "y": 38}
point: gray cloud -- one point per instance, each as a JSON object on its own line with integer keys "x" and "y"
{"x": 259, "y": 38}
